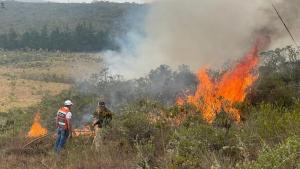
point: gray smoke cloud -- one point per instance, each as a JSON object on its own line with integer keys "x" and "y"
{"x": 202, "y": 33}
{"x": 176, "y": 32}
{"x": 290, "y": 12}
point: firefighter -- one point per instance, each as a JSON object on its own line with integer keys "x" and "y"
{"x": 64, "y": 125}
{"x": 102, "y": 117}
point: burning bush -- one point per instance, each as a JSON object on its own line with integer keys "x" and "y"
{"x": 212, "y": 96}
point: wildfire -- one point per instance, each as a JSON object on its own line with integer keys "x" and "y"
{"x": 213, "y": 96}
{"x": 180, "y": 101}
{"x": 36, "y": 129}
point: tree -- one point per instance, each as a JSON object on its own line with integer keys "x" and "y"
{"x": 279, "y": 78}
{"x": 44, "y": 38}
{"x": 83, "y": 38}
{"x": 12, "y": 39}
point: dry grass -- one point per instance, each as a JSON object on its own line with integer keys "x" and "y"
{"x": 25, "y": 77}
{"x": 22, "y": 84}
{"x": 26, "y": 92}
{"x": 78, "y": 154}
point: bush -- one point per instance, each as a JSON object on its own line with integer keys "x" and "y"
{"x": 274, "y": 124}
{"x": 278, "y": 82}
{"x": 138, "y": 128}
{"x": 283, "y": 156}
{"x": 195, "y": 144}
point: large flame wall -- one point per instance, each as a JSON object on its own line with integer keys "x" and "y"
{"x": 213, "y": 96}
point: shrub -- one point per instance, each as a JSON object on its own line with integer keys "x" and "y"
{"x": 138, "y": 128}
{"x": 194, "y": 144}
{"x": 283, "y": 156}
{"x": 274, "y": 124}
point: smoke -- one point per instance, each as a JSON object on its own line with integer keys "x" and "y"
{"x": 290, "y": 12}
{"x": 201, "y": 33}
{"x": 85, "y": 116}
{"x": 85, "y": 67}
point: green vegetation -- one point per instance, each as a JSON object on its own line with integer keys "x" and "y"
{"x": 284, "y": 155}
{"x": 27, "y": 76}
{"x": 83, "y": 38}
{"x": 279, "y": 78}
{"x": 142, "y": 134}
{"x": 105, "y": 16}
{"x": 67, "y": 27}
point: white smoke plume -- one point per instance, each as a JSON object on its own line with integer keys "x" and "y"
{"x": 201, "y": 33}
{"x": 82, "y": 69}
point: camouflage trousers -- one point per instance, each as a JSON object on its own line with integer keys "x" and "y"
{"x": 97, "y": 142}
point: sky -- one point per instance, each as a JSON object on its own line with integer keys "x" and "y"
{"x": 88, "y": 1}
{"x": 203, "y": 33}
{"x": 137, "y": 1}
{"x": 200, "y": 33}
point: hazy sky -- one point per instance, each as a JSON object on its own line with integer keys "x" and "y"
{"x": 88, "y": 1}
{"x": 203, "y": 33}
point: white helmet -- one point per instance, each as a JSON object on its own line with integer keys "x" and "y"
{"x": 68, "y": 103}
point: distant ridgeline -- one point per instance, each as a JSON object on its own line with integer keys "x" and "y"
{"x": 67, "y": 27}
{"x": 83, "y": 39}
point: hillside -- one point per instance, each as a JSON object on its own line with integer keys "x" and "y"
{"x": 148, "y": 129}
{"x": 24, "y": 16}
{"x": 26, "y": 77}
{"x": 63, "y": 106}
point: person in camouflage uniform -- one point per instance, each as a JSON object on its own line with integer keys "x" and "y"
{"x": 102, "y": 117}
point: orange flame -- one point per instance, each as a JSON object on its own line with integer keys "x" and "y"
{"x": 36, "y": 129}
{"x": 211, "y": 97}
{"x": 179, "y": 119}
{"x": 180, "y": 101}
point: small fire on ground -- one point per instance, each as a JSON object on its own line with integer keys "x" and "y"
{"x": 36, "y": 129}
{"x": 215, "y": 95}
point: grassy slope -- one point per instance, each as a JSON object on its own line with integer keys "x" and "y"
{"x": 25, "y": 77}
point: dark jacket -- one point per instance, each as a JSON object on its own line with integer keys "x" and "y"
{"x": 103, "y": 116}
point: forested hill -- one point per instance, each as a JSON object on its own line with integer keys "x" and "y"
{"x": 24, "y": 16}
{"x": 67, "y": 26}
